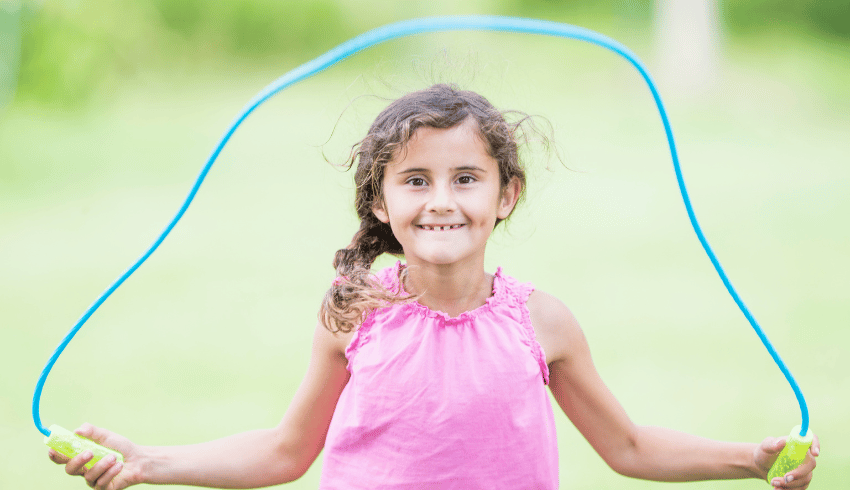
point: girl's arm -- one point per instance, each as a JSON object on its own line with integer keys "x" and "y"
{"x": 247, "y": 460}
{"x": 651, "y": 453}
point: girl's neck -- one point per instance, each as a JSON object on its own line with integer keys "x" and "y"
{"x": 452, "y": 289}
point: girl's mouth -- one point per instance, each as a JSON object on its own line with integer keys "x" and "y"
{"x": 439, "y": 228}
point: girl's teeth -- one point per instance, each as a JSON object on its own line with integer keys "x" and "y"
{"x": 441, "y": 228}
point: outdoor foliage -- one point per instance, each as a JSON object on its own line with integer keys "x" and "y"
{"x": 71, "y": 49}
{"x": 821, "y": 17}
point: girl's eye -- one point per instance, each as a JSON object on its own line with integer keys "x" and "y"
{"x": 416, "y": 181}
{"x": 466, "y": 179}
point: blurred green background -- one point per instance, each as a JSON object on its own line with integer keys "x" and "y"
{"x": 109, "y": 109}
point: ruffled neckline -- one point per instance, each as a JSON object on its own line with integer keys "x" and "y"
{"x": 497, "y": 293}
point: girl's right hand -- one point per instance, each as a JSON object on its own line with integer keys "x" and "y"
{"x": 107, "y": 474}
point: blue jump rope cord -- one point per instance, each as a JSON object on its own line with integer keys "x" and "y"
{"x": 403, "y": 29}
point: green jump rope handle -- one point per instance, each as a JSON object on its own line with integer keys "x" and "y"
{"x": 69, "y": 444}
{"x": 792, "y": 454}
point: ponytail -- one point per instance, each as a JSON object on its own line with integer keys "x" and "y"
{"x": 356, "y": 292}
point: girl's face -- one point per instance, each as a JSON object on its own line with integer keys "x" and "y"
{"x": 442, "y": 196}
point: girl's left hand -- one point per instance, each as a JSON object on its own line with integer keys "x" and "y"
{"x": 800, "y": 477}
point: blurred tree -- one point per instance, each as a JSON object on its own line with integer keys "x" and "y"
{"x": 688, "y": 37}
{"x": 256, "y": 28}
{"x": 69, "y": 49}
{"x": 822, "y": 17}
{"x": 575, "y": 10}
{"x": 10, "y": 41}
{"x": 72, "y": 49}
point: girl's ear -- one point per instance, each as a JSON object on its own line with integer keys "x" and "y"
{"x": 380, "y": 213}
{"x": 510, "y": 195}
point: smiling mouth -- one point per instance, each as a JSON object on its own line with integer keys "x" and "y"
{"x": 439, "y": 228}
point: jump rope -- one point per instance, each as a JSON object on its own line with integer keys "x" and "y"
{"x": 70, "y": 444}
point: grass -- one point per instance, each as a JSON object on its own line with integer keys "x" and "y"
{"x": 212, "y": 335}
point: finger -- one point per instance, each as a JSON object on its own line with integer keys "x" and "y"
{"x": 815, "y": 449}
{"x": 76, "y": 465}
{"x": 99, "y": 469}
{"x": 57, "y": 457}
{"x": 800, "y": 476}
{"x": 796, "y": 483}
{"x": 84, "y": 430}
{"x": 103, "y": 482}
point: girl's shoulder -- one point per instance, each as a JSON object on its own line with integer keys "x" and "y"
{"x": 555, "y": 326}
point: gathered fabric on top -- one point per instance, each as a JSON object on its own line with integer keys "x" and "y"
{"x": 440, "y": 402}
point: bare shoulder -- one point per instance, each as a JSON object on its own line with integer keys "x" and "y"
{"x": 555, "y": 326}
{"x": 331, "y": 343}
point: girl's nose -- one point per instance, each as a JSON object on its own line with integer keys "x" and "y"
{"x": 441, "y": 199}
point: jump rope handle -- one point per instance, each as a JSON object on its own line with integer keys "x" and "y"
{"x": 792, "y": 455}
{"x": 69, "y": 444}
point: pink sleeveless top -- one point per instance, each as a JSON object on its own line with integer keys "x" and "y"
{"x": 435, "y": 402}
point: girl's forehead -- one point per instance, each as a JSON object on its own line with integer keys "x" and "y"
{"x": 442, "y": 145}
{"x": 465, "y": 130}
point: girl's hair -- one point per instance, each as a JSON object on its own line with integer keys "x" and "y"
{"x": 356, "y": 292}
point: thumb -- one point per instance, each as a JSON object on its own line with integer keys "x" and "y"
{"x": 773, "y": 445}
{"x": 106, "y": 438}
{"x": 96, "y": 434}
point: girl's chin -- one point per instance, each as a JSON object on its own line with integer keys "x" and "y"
{"x": 437, "y": 258}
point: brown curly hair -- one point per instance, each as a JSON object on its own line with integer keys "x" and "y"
{"x": 357, "y": 292}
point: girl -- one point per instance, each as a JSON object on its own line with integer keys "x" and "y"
{"x": 432, "y": 374}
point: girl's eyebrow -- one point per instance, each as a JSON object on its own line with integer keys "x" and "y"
{"x": 465, "y": 168}
{"x": 413, "y": 170}
{"x": 469, "y": 168}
